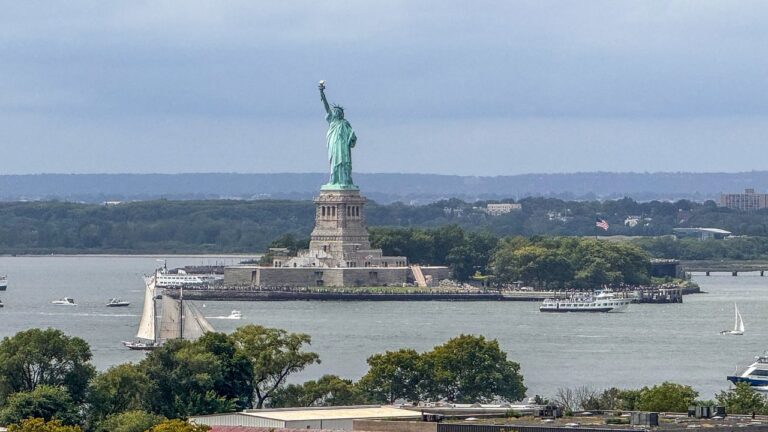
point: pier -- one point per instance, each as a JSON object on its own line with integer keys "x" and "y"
{"x": 734, "y": 267}
{"x": 248, "y": 293}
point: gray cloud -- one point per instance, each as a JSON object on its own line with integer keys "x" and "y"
{"x": 527, "y": 86}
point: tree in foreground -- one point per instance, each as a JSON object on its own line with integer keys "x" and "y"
{"x": 178, "y": 426}
{"x": 119, "y": 388}
{"x": 44, "y": 402}
{"x": 464, "y": 369}
{"x": 394, "y": 375}
{"x": 44, "y": 357}
{"x": 275, "y": 354}
{"x": 129, "y": 421}
{"x": 667, "y": 396}
{"x": 742, "y": 399}
{"x": 329, "y": 390}
{"x": 40, "y": 425}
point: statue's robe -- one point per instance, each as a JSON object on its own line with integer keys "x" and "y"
{"x": 341, "y": 139}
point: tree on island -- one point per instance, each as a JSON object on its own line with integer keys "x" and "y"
{"x": 44, "y": 357}
{"x": 275, "y": 354}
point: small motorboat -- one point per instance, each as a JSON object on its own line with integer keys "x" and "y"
{"x": 66, "y": 301}
{"x": 235, "y": 314}
{"x": 117, "y": 303}
{"x": 1, "y": 303}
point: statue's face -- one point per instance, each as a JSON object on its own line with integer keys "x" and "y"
{"x": 338, "y": 112}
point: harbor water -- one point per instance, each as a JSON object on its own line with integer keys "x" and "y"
{"x": 646, "y": 345}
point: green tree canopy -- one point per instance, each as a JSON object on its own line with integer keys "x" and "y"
{"x": 129, "y": 421}
{"x": 120, "y": 388}
{"x": 44, "y": 357}
{"x": 667, "y": 396}
{"x": 200, "y": 377}
{"x": 329, "y": 390}
{"x": 742, "y": 399}
{"x": 178, "y": 426}
{"x": 44, "y": 402}
{"x": 275, "y": 354}
{"x": 395, "y": 375}
{"x": 473, "y": 369}
{"x": 40, "y": 425}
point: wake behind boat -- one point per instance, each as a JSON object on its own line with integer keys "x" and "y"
{"x": 738, "y": 324}
{"x": 603, "y": 301}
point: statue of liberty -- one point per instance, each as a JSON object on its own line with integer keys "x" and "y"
{"x": 340, "y": 139}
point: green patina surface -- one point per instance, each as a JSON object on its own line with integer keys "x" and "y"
{"x": 340, "y": 140}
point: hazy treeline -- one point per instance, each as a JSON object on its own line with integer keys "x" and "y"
{"x": 249, "y": 226}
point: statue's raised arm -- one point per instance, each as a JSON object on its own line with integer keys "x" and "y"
{"x": 322, "y": 97}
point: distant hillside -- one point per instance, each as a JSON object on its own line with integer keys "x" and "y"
{"x": 384, "y": 188}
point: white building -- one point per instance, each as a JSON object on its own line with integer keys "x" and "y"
{"x": 333, "y": 418}
{"x": 504, "y": 208}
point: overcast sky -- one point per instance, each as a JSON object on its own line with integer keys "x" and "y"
{"x": 464, "y": 87}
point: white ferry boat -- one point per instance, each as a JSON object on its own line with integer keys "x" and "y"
{"x": 179, "y": 278}
{"x": 3, "y": 283}
{"x": 756, "y": 374}
{"x": 603, "y": 301}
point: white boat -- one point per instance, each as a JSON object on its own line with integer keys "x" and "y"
{"x": 601, "y": 301}
{"x": 235, "y": 314}
{"x": 178, "y": 278}
{"x": 179, "y": 319}
{"x": 738, "y": 324}
{"x": 3, "y": 283}
{"x": 66, "y": 301}
{"x": 115, "y": 302}
{"x": 756, "y": 374}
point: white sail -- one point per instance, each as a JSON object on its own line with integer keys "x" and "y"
{"x": 739, "y": 327}
{"x": 170, "y": 319}
{"x": 195, "y": 324}
{"x": 147, "y": 323}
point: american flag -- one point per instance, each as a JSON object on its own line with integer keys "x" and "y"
{"x": 601, "y": 223}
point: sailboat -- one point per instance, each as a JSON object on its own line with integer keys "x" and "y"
{"x": 178, "y": 320}
{"x": 738, "y": 325}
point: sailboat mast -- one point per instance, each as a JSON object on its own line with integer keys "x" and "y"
{"x": 181, "y": 312}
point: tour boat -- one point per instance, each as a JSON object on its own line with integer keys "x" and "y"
{"x": 178, "y": 278}
{"x": 738, "y": 324}
{"x": 756, "y": 374}
{"x": 602, "y": 301}
{"x": 235, "y": 314}
{"x": 3, "y": 283}
{"x": 66, "y": 301}
{"x": 179, "y": 319}
{"x": 117, "y": 303}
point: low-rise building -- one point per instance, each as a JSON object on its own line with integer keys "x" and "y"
{"x": 701, "y": 233}
{"x": 503, "y": 208}
{"x": 329, "y": 418}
